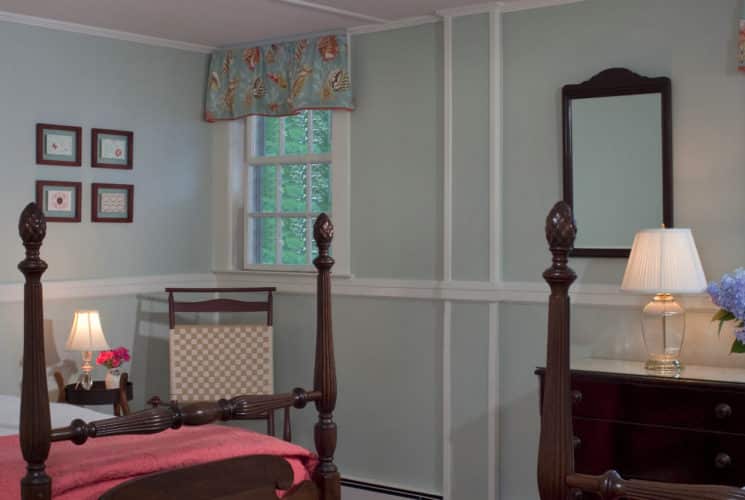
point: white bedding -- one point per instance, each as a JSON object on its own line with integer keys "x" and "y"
{"x": 62, "y": 414}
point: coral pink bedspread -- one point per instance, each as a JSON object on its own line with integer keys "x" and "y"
{"x": 85, "y": 472}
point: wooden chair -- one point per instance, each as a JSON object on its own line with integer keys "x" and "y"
{"x": 556, "y": 477}
{"x": 212, "y": 361}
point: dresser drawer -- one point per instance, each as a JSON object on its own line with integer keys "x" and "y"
{"x": 670, "y": 404}
{"x": 659, "y": 454}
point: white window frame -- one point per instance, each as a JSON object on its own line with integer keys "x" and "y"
{"x": 339, "y": 160}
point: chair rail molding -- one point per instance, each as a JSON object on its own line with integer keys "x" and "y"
{"x": 528, "y": 292}
{"x": 108, "y": 287}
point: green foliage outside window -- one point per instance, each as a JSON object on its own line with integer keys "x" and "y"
{"x": 294, "y": 185}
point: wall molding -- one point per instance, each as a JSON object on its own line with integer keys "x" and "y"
{"x": 534, "y": 292}
{"x": 86, "y": 29}
{"x": 108, "y": 287}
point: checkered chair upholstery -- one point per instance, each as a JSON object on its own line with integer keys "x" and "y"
{"x": 211, "y": 362}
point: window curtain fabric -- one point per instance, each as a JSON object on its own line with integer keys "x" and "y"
{"x": 279, "y": 79}
{"x": 741, "y": 47}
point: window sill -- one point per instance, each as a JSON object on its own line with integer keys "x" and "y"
{"x": 285, "y": 273}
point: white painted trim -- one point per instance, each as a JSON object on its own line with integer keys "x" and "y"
{"x": 333, "y": 10}
{"x": 534, "y": 4}
{"x": 447, "y": 151}
{"x": 108, "y": 287}
{"x": 459, "y": 291}
{"x": 470, "y": 10}
{"x": 495, "y": 146}
{"x": 447, "y": 406}
{"x": 493, "y": 404}
{"x": 408, "y": 22}
{"x": 85, "y": 29}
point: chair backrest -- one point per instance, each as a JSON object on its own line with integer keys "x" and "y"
{"x": 210, "y": 362}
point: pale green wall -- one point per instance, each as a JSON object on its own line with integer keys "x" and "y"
{"x": 693, "y": 43}
{"x": 690, "y": 41}
{"x": 396, "y": 170}
{"x": 471, "y": 148}
{"x": 65, "y": 78}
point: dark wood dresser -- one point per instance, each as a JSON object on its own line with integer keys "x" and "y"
{"x": 687, "y": 429}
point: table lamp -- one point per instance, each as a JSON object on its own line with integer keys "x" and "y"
{"x": 86, "y": 335}
{"x": 664, "y": 262}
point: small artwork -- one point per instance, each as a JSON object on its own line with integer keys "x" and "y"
{"x": 111, "y": 148}
{"x": 112, "y": 202}
{"x": 58, "y": 145}
{"x": 60, "y": 201}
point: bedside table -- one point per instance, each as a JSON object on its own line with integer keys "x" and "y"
{"x": 100, "y": 395}
{"x": 687, "y": 428}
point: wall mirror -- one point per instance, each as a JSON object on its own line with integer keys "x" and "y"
{"x": 617, "y": 159}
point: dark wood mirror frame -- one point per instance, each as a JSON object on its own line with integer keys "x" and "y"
{"x": 619, "y": 82}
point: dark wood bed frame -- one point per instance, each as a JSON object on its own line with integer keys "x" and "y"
{"x": 556, "y": 477}
{"x": 254, "y": 477}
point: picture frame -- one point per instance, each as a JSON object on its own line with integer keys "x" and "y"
{"x": 60, "y": 201}
{"x": 112, "y": 148}
{"x": 58, "y": 145}
{"x": 112, "y": 202}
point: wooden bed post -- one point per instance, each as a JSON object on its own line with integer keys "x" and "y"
{"x": 556, "y": 453}
{"x": 326, "y": 475}
{"x": 35, "y": 424}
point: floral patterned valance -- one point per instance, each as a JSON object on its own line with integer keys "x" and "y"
{"x": 279, "y": 79}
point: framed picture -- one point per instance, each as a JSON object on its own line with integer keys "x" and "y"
{"x": 112, "y": 202}
{"x": 60, "y": 201}
{"x": 111, "y": 148}
{"x": 58, "y": 145}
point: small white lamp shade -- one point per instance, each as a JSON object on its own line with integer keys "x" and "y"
{"x": 664, "y": 260}
{"x": 86, "y": 333}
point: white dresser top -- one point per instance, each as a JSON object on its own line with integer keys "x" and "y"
{"x": 689, "y": 372}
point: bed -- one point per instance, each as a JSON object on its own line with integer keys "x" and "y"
{"x": 172, "y": 450}
{"x": 556, "y": 477}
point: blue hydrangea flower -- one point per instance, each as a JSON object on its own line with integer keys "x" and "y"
{"x": 729, "y": 293}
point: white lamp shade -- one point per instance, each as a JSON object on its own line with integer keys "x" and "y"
{"x": 86, "y": 333}
{"x": 664, "y": 261}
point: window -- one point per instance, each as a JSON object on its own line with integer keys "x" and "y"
{"x": 292, "y": 165}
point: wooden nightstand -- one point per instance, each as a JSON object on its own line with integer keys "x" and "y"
{"x": 686, "y": 429}
{"x": 99, "y": 395}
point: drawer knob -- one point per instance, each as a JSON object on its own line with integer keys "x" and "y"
{"x": 723, "y": 411}
{"x": 576, "y": 442}
{"x": 722, "y": 461}
{"x": 576, "y": 397}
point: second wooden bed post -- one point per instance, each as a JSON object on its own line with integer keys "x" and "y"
{"x": 326, "y": 475}
{"x": 35, "y": 424}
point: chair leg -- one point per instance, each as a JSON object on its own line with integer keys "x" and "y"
{"x": 287, "y": 427}
{"x": 270, "y": 423}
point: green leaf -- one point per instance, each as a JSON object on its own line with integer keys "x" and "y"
{"x": 722, "y": 315}
{"x": 737, "y": 347}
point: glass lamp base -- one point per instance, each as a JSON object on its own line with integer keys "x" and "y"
{"x": 663, "y": 365}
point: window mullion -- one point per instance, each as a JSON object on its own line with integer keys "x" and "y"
{"x": 278, "y": 220}
{"x": 282, "y": 136}
{"x": 308, "y": 207}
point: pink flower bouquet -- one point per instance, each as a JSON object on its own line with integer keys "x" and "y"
{"x": 113, "y": 358}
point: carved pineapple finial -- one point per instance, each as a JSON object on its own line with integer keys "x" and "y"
{"x": 560, "y": 233}
{"x": 560, "y": 227}
{"x": 32, "y": 226}
{"x": 323, "y": 233}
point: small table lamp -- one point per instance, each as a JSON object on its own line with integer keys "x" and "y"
{"x": 86, "y": 335}
{"x": 663, "y": 262}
